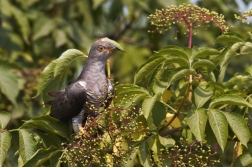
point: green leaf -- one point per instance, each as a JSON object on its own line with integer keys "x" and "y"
{"x": 144, "y": 154}
{"x": 130, "y": 160}
{"x": 41, "y": 156}
{"x": 10, "y": 64}
{"x": 97, "y": 3}
{"x": 9, "y": 84}
{"x": 238, "y": 81}
{"x": 49, "y": 125}
{"x": 49, "y": 140}
{"x": 230, "y": 99}
{"x": 204, "y": 52}
{"x": 168, "y": 55}
{"x": 248, "y": 71}
{"x": 4, "y": 119}
{"x": 20, "y": 161}
{"x": 65, "y": 59}
{"x": 47, "y": 26}
{"x": 179, "y": 73}
{"x": 227, "y": 54}
{"x": 157, "y": 147}
{"x": 60, "y": 37}
{"x": 246, "y": 49}
{"x": 56, "y": 68}
{"x": 154, "y": 144}
{"x": 23, "y": 23}
{"x": 219, "y": 125}
{"x": 158, "y": 81}
{"x": 244, "y": 159}
{"x": 147, "y": 106}
{"x": 149, "y": 66}
{"x": 132, "y": 95}
{"x": 201, "y": 96}
{"x": 6, "y": 11}
{"x": 176, "y": 51}
{"x": 229, "y": 37}
{"x": 130, "y": 89}
{"x": 203, "y": 63}
{"x": 128, "y": 101}
{"x": 166, "y": 142}
{"x": 216, "y": 86}
{"x": 176, "y": 60}
{"x": 157, "y": 115}
{"x": 187, "y": 134}
{"x": 159, "y": 88}
{"x": 210, "y": 137}
{"x": 27, "y": 144}
{"x": 239, "y": 126}
{"x": 196, "y": 120}
{"x": 46, "y": 76}
{"x": 51, "y": 85}
{"x": 250, "y": 118}
{"x": 152, "y": 79}
{"x": 5, "y": 142}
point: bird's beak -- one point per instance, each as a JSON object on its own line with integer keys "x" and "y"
{"x": 115, "y": 48}
{"x": 115, "y": 45}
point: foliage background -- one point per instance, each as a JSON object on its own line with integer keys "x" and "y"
{"x": 34, "y": 32}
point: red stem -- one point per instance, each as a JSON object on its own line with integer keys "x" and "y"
{"x": 190, "y": 37}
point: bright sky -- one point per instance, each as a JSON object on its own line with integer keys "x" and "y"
{"x": 241, "y": 4}
{"x": 244, "y": 7}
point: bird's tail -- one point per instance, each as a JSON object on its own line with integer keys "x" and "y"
{"x": 52, "y": 94}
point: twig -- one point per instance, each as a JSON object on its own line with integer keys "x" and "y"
{"x": 169, "y": 132}
{"x": 177, "y": 112}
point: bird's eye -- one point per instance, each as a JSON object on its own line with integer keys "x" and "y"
{"x": 100, "y": 48}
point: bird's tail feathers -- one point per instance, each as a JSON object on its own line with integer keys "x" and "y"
{"x": 49, "y": 102}
{"x": 53, "y": 93}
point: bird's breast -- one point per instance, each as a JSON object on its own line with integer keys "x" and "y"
{"x": 97, "y": 92}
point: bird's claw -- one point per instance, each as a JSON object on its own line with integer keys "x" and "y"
{"x": 82, "y": 130}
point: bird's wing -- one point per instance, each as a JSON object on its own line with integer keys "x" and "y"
{"x": 69, "y": 103}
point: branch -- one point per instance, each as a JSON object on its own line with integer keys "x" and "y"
{"x": 177, "y": 112}
{"x": 170, "y": 132}
{"x": 118, "y": 36}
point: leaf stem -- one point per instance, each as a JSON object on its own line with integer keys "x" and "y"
{"x": 168, "y": 106}
{"x": 13, "y": 130}
{"x": 169, "y": 132}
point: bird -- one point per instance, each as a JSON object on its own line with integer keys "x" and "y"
{"x": 89, "y": 91}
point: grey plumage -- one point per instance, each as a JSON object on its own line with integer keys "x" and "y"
{"x": 90, "y": 90}
{"x": 69, "y": 99}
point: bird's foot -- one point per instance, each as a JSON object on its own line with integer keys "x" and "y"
{"x": 82, "y": 130}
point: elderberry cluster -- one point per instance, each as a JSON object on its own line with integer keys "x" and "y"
{"x": 244, "y": 16}
{"x": 191, "y": 154}
{"x": 186, "y": 15}
{"x": 108, "y": 139}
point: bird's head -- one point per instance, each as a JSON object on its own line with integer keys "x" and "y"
{"x": 103, "y": 49}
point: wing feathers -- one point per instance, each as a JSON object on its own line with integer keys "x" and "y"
{"x": 68, "y": 103}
